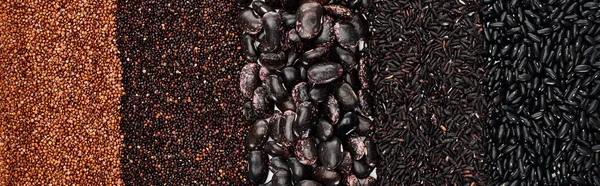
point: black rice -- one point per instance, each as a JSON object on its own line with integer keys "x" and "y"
{"x": 430, "y": 106}
{"x": 545, "y": 126}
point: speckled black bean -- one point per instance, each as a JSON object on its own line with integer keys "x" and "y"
{"x": 249, "y": 79}
{"x": 306, "y": 151}
{"x": 322, "y": 73}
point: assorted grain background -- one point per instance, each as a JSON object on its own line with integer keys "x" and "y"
{"x": 139, "y": 92}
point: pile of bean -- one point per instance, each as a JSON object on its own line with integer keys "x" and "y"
{"x": 305, "y": 59}
{"x": 544, "y": 91}
{"x": 428, "y": 67}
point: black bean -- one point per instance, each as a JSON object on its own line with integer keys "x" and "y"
{"x": 282, "y": 177}
{"x": 323, "y": 129}
{"x": 327, "y": 177}
{"x": 313, "y": 56}
{"x": 309, "y": 20}
{"x": 346, "y": 97}
{"x": 330, "y": 153}
{"x": 257, "y": 166}
{"x": 306, "y": 151}
{"x": 360, "y": 169}
{"x": 308, "y": 183}
{"x": 250, "y": 22}
{"x": 272, "y": 61}
{"x": 305, "y": 119}
{"x": 274, "y": 149}
{"x": 322, "y": 73}
{"x": 346, "y": 35}
{"x": 319, "y": 92}
{"x": 273, "y": 32}
{"x": 249, "y": 79}
{"x": 298, "y": 170}
{"x": 347, "y": 124}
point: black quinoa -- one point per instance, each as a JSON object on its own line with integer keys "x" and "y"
{"x": 182, "y": 121}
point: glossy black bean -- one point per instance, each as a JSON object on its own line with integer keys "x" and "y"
{"x": 351, "y": 78}
{"x": 346, "y": 58}
{"x": 298, "y": 170}
{"x": 319, "y": 92}
{"x": 308, "y": 183}
{"x": 272, "y": 61}
{"x": 282, "y": 178}
{"x": 250, "y": 22}
{"x": 323, "y": 130}
{"x": 347, "y": 124}
{"x": 276, "y": 150}
{"x": 360, "y": 169}
{"x": 276, "y": 89}
{"x": 322, "y": 73}
{"x": 260, "y": 8}
{"x": 290, "y": 77}
{"x": 248, "y": 47}
{"x": 330, "y": 153}
{"x": 371, "y": 156}
{"x": 273, "y": 27}
{"x": 286, "y": 104}
{"x": 306, "y": 151}
{"x": 257, "y": 166}
{"x": 346, "y": 35}
{"x": 326, "y": 177}
{"x": 305, "y": 119}
{"x": 346, "y": 97}
{"x": 313, "y": 56}
{"x": 278, "y": 163}
{"x": 292, "y": 56}
{"x": 309, "y": 20}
